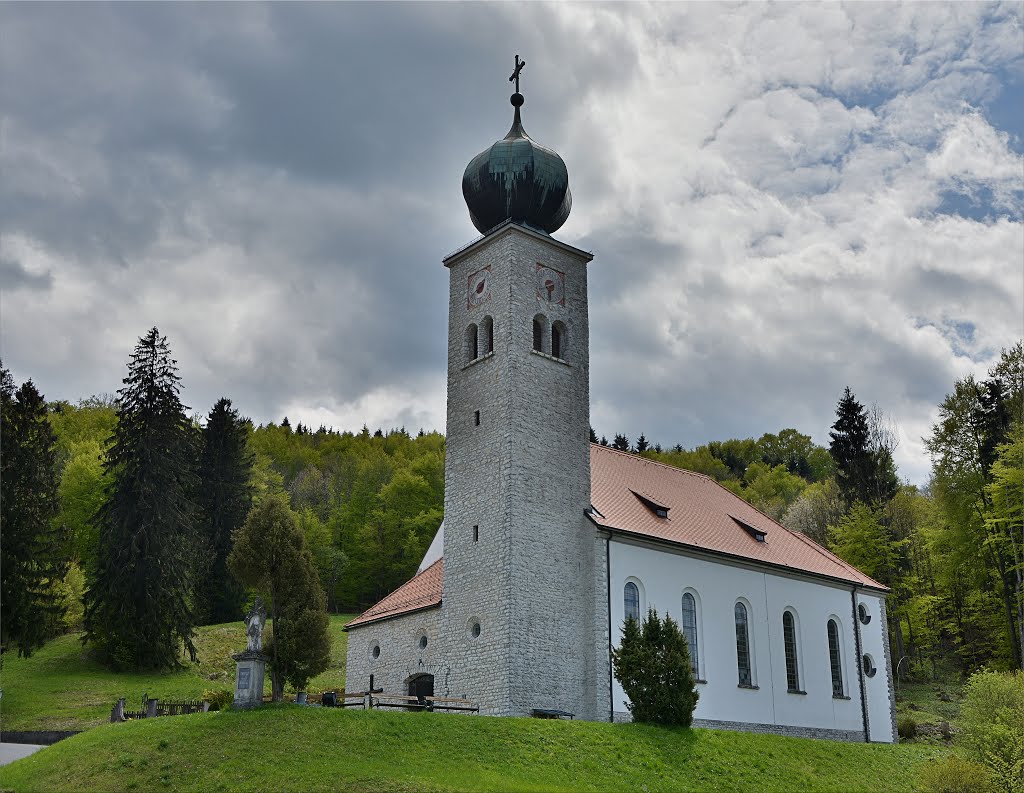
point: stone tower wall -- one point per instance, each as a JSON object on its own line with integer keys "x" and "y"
{"x": 523, "y": 477}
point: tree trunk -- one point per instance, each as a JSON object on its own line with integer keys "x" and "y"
{"x": 276, "y": 684}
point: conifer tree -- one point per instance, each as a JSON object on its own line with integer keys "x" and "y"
{"x": 850, "y": 448}
{"x": 641, "y": 444}
{"x": 621, "y": 443}
{"x": 224, "y": 498}
{"x": 140, "y": 601}
{"x": 271, "y": 554}
{"x": 652, "y": 663}
{"x": 32, "y": 549}
{"x": 862, "y": 450}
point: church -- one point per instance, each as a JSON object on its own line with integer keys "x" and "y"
{"x": 550, "y": 542}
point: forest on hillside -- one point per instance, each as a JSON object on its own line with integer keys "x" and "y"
{"x": 369, "y": 502}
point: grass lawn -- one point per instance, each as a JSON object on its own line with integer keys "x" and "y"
{"x": 61, "y": 687}
{"x": 925, "y": 704}
{"x": 289, "y": 747}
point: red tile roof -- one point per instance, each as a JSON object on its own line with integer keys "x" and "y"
{"x": 701, "y": 514}
{"x": 422, "y": 591}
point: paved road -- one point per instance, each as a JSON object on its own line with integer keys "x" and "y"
{"x": 9, "y": 752}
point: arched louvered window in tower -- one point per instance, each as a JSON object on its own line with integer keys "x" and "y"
{"x": 631, "y": 601}
{"x": 743, "y": 646}
{"x": 487, "y": 335}
{"x": 690, "y": 630}
{"x": 789, "y": 639}
{"x": 472, "y": 346}
{"x": 540, "y": 332}
{"x": 558, "y": 339}
{"x": 835, "y": 659}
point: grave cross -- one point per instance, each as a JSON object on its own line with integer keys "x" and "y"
{"x": 515, "y": 74}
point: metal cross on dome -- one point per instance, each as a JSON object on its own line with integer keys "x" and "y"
{"x": 515, "y": 75}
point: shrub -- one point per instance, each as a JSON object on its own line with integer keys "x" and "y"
{"x": 906, "y": 727}
{"x": 992, "y": 717}
{"x": 954, "y": 774}
{"x": 653, "y": 666}
{"x": 219, "y": 698}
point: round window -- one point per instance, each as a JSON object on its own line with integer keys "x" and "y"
{"x": 474, "y": 631}
{"x": 869, "y": 666}
{"x": 862, "y": 613}
{"x": 423, "y": 642}
{"x": 375, "y": 651}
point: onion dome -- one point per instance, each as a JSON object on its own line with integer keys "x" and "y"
{"x": 517, "y": 179}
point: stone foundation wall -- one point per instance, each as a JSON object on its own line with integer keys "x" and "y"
{"x": 852, "y": 736}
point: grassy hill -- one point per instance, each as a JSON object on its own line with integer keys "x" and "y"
{"x": 61, "y": 687}
{"x": 289, "y": 747}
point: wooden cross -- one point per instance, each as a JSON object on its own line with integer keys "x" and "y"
{"x": 515, "y": 74}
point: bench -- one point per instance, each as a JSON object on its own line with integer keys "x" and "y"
{"x": 343, "y": 699}
{"x": 550, "y": 713}
{"x": 422, "y": 703}
{"x": 397, "y": 701}
{"x": 451, "y": 703}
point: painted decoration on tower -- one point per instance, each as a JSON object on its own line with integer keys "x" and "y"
{"x": 478, "y": 289}
{"x": 550, "y": 285}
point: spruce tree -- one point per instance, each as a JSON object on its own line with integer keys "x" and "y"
{"x": 224, "y": 498}
{"x": 862, "y": 447}
{"x": 652, "y": 663}
{"x": 851, "y": 450}
{"x": 140, "y": 601}
{"x": 32, "y": 548}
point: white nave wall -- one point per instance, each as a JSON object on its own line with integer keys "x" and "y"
{"x": 664, "y": 574}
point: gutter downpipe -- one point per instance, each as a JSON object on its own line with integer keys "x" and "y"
{"x": 608, "y": 589}
{"x": 860, "y": 665}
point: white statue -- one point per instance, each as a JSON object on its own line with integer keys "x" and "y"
{"x": 254, "y": 622}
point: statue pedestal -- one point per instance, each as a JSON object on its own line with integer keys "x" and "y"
{"x": 250, "y": 669}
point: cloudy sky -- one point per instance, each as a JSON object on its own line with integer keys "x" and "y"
{"x": 782, "y": 200}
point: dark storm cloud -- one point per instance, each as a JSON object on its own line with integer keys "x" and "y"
{"x": 13, "y": 276}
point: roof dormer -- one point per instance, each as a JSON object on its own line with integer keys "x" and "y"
{"x": 753, "y": 531}
{"x": 660, "y": 510}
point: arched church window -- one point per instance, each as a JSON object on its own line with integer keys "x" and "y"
{"x": 472, "y": 347}
{"x": 789, "y": 640}
{"x": 558, "y": 339}
{"x": 835, "y": 660}
{"x": 743, "y": 646}
{"x": 540, "y": 332}
{"x": 690, "y": 629}
{"x": 487, "y": 335}
{"x": 631, "y": 598}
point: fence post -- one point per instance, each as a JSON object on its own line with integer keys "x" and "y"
{"x": 151, "y": 708}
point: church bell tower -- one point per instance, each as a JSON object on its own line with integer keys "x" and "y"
{"x": 520, "y": 596}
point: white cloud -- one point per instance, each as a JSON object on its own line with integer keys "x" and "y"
{"x": 783, "y": 200}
